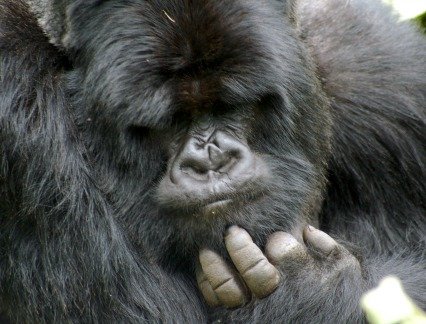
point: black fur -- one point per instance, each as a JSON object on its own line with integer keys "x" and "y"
{"x": 329, "y": 93}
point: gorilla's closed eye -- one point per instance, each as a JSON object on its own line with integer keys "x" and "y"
{"x": 139, "y": 132}
{"x": 270, "y": 100}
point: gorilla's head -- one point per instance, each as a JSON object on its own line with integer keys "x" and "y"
{"x": 197, "y": 115}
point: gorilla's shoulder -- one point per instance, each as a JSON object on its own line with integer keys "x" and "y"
{"x": 356, "y": 33}
{"x": 363, "y": 50}
{"x": 23, "y": 44}
{"x": 19, "y": 29}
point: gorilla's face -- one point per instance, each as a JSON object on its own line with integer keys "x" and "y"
{"x": 199, "y": 114}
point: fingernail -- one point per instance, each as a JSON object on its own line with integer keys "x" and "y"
{"x": 232, "y": 229}
{"x": 311, "y": 228}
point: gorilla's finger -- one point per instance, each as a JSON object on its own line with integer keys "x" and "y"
{"x": 224, "y": 281}
{"x": 260, "y": 276}
{"x": 283, "y": 246}
{"x": 207, "y": 289}
{"x": 320, "y": 241}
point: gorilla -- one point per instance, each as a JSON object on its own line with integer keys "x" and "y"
{"x": 192, "y": 161}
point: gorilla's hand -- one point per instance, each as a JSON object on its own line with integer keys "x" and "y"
{"x": 321, "y": 257}
{"x": 222, "y": 284}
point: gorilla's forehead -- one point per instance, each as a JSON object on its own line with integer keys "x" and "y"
{"x": 187, "y": 53}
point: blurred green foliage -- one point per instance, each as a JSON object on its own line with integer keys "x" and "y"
{"x": 408, "y": 9}
{"x": 389, "y": 304}
{"x": 421, "y": 20}
{"x": 411, "y": 9}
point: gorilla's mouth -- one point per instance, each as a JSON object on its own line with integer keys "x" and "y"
{"x": 224, "y": 204}
{"x": 217, "y": 206}
{"x": 227, "y": 204}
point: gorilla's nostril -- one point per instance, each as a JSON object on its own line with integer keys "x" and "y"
{"x": 193, "y": 168}
{"x": 201, "y": 159}
{"x": 210, "y": 162}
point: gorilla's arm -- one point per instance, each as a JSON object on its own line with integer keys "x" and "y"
{"x": 63, "y": 257}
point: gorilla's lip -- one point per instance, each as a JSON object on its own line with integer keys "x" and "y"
{"x": 226, "y": 204}
{"x": 227, "y": 201}
{"x": 212, "y": 207}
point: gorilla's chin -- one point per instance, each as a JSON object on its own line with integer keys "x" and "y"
{"x": 205, "y": 226}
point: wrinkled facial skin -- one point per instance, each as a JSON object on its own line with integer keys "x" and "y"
{"x": 196, "y": 120}
{"x": 213, "y": 167}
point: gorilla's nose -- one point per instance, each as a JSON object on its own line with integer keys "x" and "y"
{"x": 205, "y": 160}
{"x": 212, "y": 168}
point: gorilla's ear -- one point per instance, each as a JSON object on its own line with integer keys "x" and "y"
{"x": 52, "y": 18}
